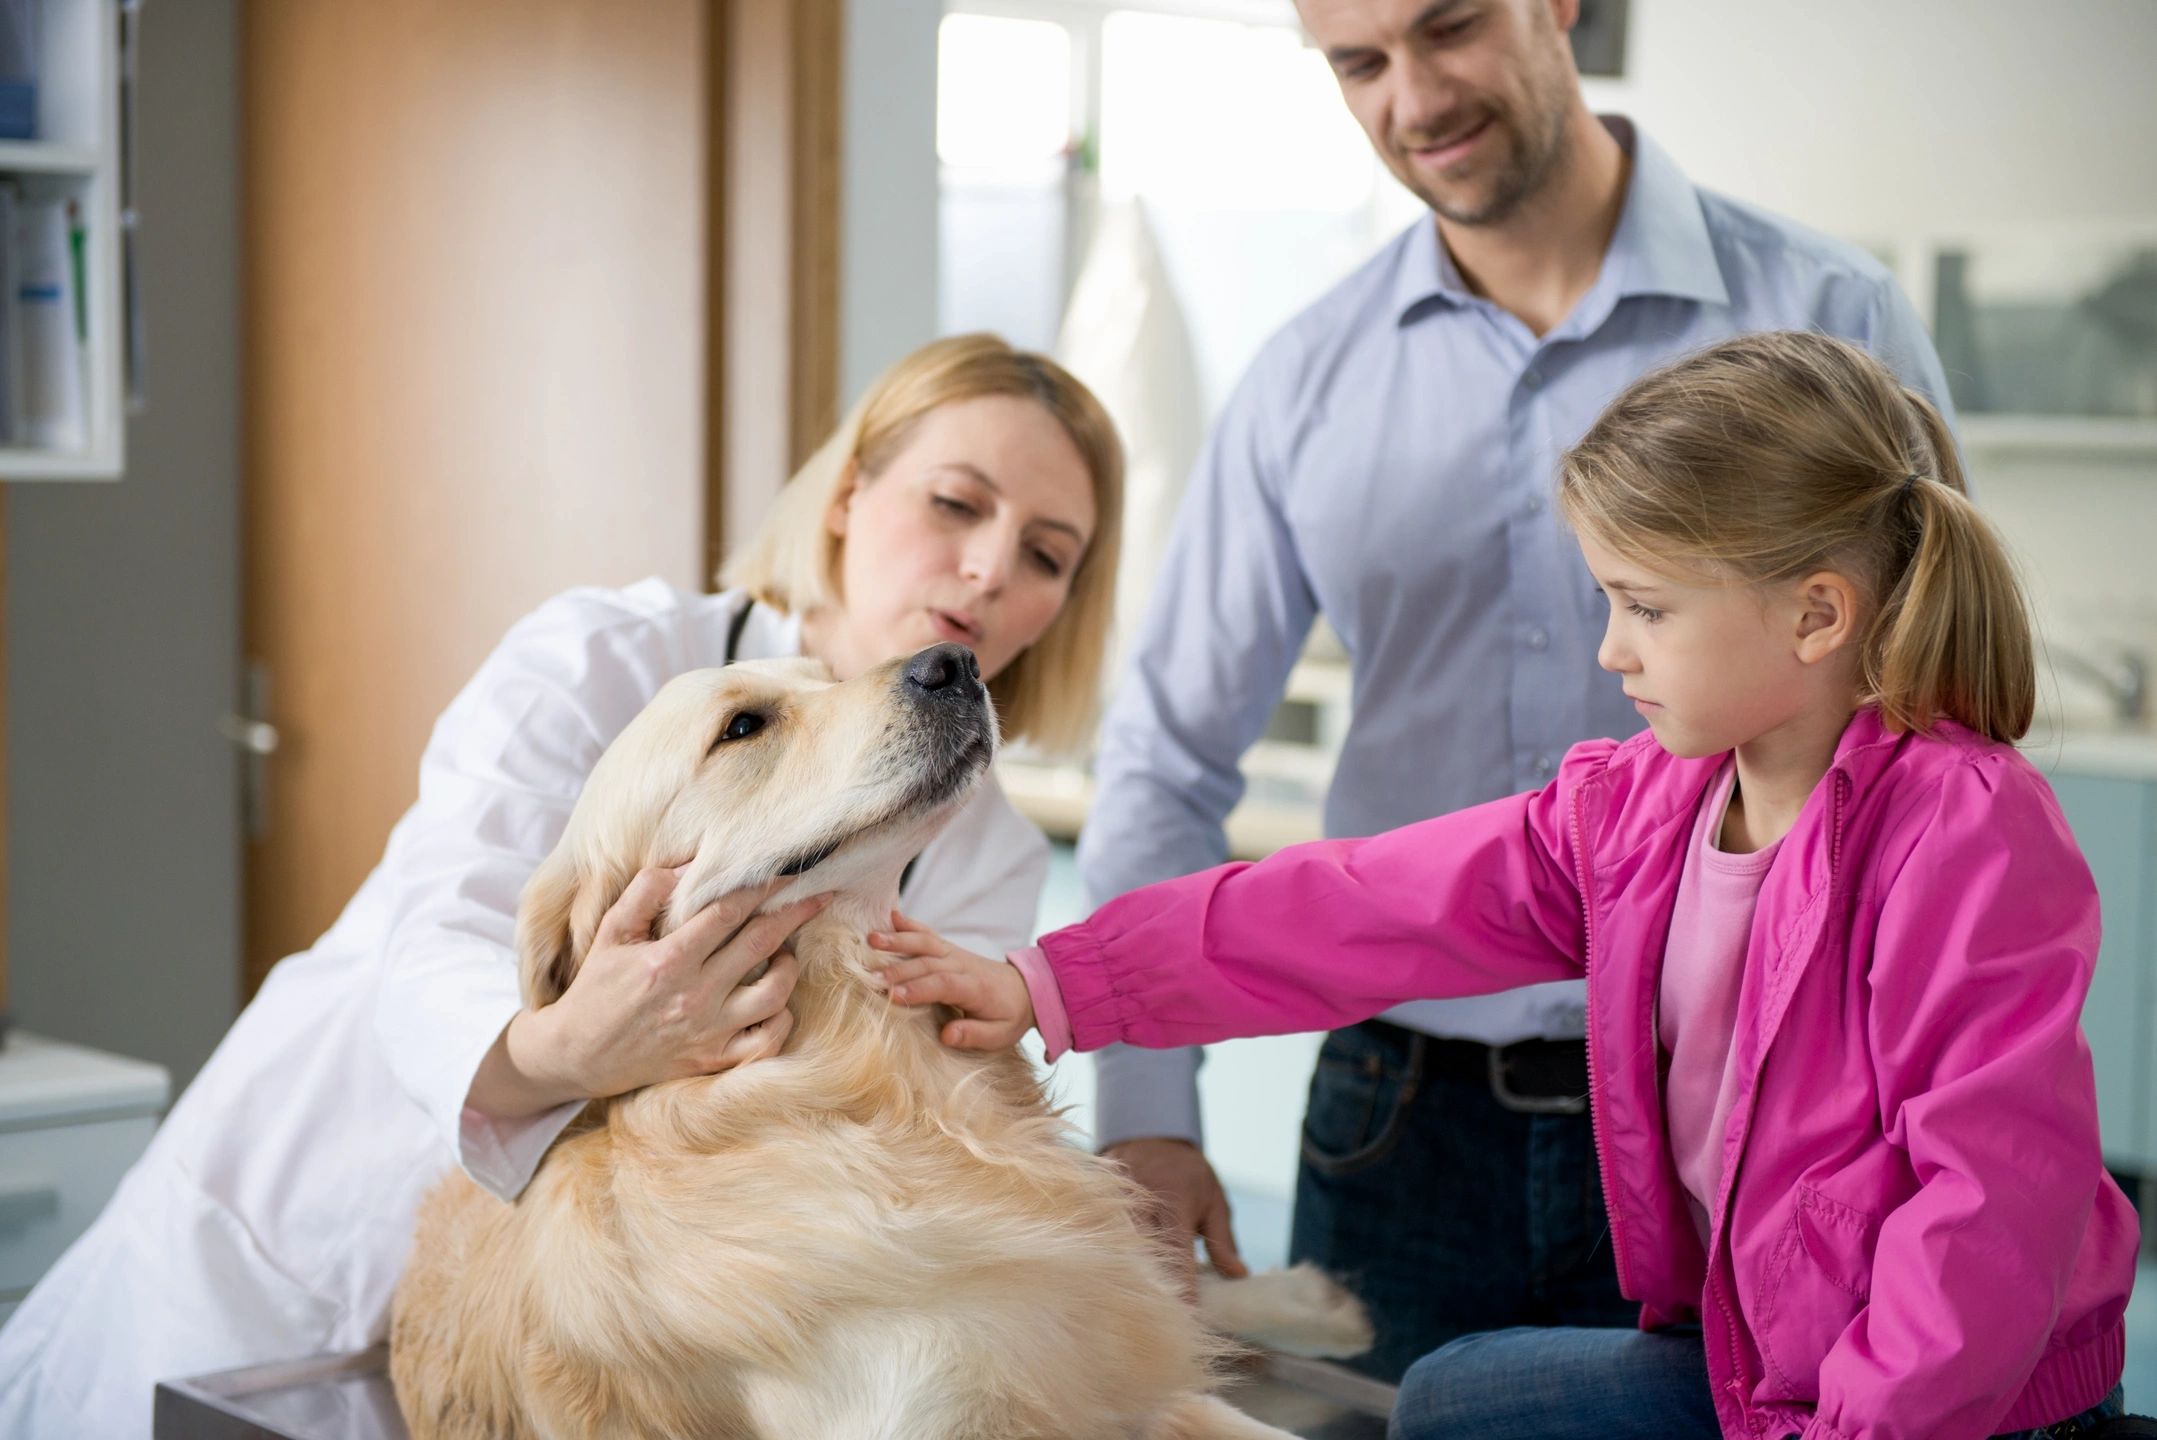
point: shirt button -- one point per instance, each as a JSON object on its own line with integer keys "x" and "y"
{"x": 1544, "y": 764}
{"x": 1532, "y": 379}
{"x": 1538, "y": 639}
{"x": 1535, "y": 503}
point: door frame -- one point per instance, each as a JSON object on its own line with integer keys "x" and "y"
{"x": 777, "y": 80}
{"x": 770, "y": 274}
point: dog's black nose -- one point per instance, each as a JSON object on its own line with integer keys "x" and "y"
{"x": 941, "y": 667}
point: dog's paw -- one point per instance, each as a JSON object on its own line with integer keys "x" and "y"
{"x": 1297, "y": 1311}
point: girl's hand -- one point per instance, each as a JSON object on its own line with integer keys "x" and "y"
{"x": 990, "y": 995}
{"x": 642, "y": 1010}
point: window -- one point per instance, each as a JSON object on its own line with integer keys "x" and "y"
{"x": 1213, "y": 115}
{"x": 1003, "y": 142}
{"x": 2052, "y": 325}
{"x": 1003, "y": 95}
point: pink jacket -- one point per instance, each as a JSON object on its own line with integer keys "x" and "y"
{"x": 1915, "y": 1235}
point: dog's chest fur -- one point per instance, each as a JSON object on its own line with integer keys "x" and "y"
{"x": 779, "y": 1228}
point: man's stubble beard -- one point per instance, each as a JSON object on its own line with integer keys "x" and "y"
{"x": 1528, "y": 168}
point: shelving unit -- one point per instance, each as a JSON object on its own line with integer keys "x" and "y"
{"x": 1984, "y": 432}
{"x": 2044, "y": 249}
{"x": 78, "y": 155}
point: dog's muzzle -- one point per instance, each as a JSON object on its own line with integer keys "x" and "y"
{"x": 942, "y": 685}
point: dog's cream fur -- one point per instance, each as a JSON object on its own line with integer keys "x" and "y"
{"x": 869, "y": 1235}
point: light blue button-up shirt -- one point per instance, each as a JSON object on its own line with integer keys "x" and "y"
{"x": 1389, "y": 460}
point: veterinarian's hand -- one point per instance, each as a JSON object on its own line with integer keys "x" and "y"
{"x": 1189, "y": 1203}
{"x": 642, "y": 1010}
{"x": 990, "y": 995}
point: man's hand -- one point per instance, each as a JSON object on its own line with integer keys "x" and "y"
{"x": 994, "y": 1007}
{"x": 1189, "y": 1203}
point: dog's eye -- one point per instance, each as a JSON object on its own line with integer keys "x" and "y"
{"x": 741, "y": 727}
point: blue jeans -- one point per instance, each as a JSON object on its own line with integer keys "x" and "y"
{"x": 1445, "y": 1211}
{"x": 1577, "y": 1385}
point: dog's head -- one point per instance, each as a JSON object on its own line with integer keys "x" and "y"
{"x": 763, "y": 769}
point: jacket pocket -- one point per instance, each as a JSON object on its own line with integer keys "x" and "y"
{"x": 1360, "y": 1094}
{"x": 1817, "y": 1279}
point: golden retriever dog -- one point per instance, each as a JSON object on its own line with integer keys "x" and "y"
{"x": 866, "y": 1235}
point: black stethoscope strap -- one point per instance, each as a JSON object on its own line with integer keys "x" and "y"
{"x": 734, "y": 628}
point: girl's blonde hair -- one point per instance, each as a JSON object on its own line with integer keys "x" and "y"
{"x": 1774, "y": 455}
{"x": 1049, "y": 694}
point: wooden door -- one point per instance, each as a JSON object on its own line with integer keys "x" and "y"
{"x": 484, "y": 276}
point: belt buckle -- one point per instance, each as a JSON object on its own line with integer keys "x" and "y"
{"x": 1529, "y": 1104}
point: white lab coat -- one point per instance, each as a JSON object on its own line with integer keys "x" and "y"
{"x": 272, "y": 1212}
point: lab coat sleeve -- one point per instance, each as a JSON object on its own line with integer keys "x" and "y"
{"x": 497, "y": 782}
{"x": 1231, "y": 607}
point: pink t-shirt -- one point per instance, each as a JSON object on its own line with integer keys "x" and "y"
{"x": 1697, "y": 1011}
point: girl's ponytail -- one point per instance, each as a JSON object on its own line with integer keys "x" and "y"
{"x": 1952, "y": 636}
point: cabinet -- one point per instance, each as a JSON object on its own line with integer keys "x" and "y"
{"x": 2042, "y": 329}
{"x": 72, "y": 1121}
{"x": 78, "y": 156}
{"x": 2115, "y": 822}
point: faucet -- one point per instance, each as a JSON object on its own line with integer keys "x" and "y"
{"x": 2125, "y": 680}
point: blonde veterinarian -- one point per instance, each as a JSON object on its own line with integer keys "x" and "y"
{"x": 973, "y": 495}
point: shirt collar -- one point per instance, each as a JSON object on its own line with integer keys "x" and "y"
{"x": 1660, "y": 247}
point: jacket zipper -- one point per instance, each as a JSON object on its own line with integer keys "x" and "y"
{"x": 1595, "y": 1130}
{"x": 1722, "y": 1300}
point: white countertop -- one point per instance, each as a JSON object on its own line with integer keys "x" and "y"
{"x": 1056, "y": 797}
{"x": 2115, "y": 754}
{"x": 50, "y": 1082}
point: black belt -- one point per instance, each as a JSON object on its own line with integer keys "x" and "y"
{"x": 1537, "y": 1076}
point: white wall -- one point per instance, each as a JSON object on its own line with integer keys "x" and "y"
{"x": 1879, "y": 121}
{"x": 1872, "y": 116}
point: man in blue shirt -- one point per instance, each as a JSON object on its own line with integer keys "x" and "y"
{"x": 1388, "y": 460}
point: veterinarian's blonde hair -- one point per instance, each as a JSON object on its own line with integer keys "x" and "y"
{"x": 1774, "y": 455}
{"x": 1048, "y": 695}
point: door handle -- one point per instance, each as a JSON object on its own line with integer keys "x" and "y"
{"x": 256, "y": 737}
{"x": 258, "y": 740}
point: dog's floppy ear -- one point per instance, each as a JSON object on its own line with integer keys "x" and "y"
{"x": 558, "y": 918}
{"x": 545, "y": 963}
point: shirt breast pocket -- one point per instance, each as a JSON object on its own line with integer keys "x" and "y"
{"x": 1817, "y": 1280}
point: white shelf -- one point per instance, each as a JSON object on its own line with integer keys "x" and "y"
{"x": 20, "y": 462}
{"x": 37, "y": 157}
{"x": 50, "y": 1082}
{"x": 2102, "y": 754}
{"x": 78, "y": 158}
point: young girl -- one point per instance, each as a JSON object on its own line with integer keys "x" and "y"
{"x": 1835, "y": 932}
{"x": 974, "y": 494}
